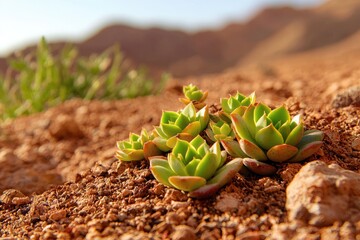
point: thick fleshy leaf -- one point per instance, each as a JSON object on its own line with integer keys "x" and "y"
{"x": 191, "y": 167}
{"x": 161, "y": 144}
{"x": 258, "y": 167}
{"x": 168, "y": 117}
{"x": 280, "y": 114}
{"x": 226, "y": 172}
{"x": 133, "y": 137}
{"x": 225, "y": 129}
{"x": 261, "y": 123}
{"x": 225, "y": 105}
{"x": 189, "y": 111}
{"x": 295, "y": 135}
{"x": 296, "y": 121}
{"x": 194, "y": 95}
{"x": 207, "y": 166}
{"x": 205, "y": 191}
{"x": 159, "y": 133}
{"x": 311, "y": 136}
{"x": 225, "y": 117}
{"x": 170, "y": 129}
{"x": 162, "y": 174}
{"x": 241, "y": 127}
{"x": 249, "y": 119}
{"x": 185, "y": 101}
{"x": 136, "y": 155}
{"x": 203, "y": 117}
{"x": 182, "y": 121}
{"x": 281, "y": 153}
{"x": 180, "y": 147}
{"x": 239, "y": 110}
{"x": 215, "y": 149}
{"x": 232, "y": 147}
{"x": 222, "y": 177}
{"x": 193, "y": 128}
{"x": 205, "y": 94}
{"x": 177, "y": 165}
{"x": 159, "y": 161}
{"x": 187, "y": 183}
{"x": 268, "y": 137}
{"x": 197, "y": 142}
{"x": 185, "y": 136}
{"x": 260, "y": 110}
{"x": 306, "y": 151}
{"x": 284, "y": 129}
{"x": 210, "y": 134}
{"x": 190, "y": 154}
{"x": 203, "y": 149}
{"x": 252, "y": 150}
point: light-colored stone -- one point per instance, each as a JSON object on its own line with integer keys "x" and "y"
{"x": 184, "y": 232}
{"x": 65, "y": 126}
{"x": 321, "y": 194}
{"x": 356, "y": 144}
{"x": 227, "y": 203}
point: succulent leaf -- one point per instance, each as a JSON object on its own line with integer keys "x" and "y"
{"x": 280, "y": 114}
{"x": 232, "y": 147}
{"x": 162, "y": 174}
{"x": 260, "y": 110}
{"x": 170, "y": 129}
{"x": 252, "y": 150}
{"x": 187, "y": 183}
{"x": 177, "y": 166}
{"x": 207, "y": 166}
{"x": 295, "y": 135}
{"x": 306, "y": 151}
{"x": 281, "y": 153}
{"x": 241, "y": 128}
{"x": 258, "y": 167}
{"x": 268, "y": 137}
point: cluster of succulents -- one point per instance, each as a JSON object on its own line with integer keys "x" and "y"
{"x": 199, "y": 152}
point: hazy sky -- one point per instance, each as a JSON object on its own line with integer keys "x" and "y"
{"x": 25, "y": 21}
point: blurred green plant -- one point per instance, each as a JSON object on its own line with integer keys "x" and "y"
{"x": 194, "y": 95}
{"x": 39, "y": 80}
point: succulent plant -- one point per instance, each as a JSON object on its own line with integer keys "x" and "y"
{"x": 266, "y": 134}
{"x": 185, "y": 124}
{"x": 221, "y": 131}
{"x": 235, "y": 104}
{"x": 193, "y": 94}
{"x": 137, "y": 147}
{"x": 194, "y": 167}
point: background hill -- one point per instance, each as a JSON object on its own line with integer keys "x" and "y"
{"x": 272, "y": 32}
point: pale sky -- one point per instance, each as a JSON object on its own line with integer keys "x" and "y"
{"x": 23, "y": 22}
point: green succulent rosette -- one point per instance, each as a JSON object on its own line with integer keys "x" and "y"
{"x": 137, "y": 147}
{"x": 235, "y": 104}
{"x": 222, "y": 132}
{"x": 185, "y": 124}
{"x": 195, "y": 167}
{"x": 194, "y": 95}
{"x": 266, "y": 134}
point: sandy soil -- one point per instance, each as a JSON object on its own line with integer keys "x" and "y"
{"x": 70, "y": 186}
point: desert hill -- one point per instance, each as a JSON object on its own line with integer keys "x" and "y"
{"x": 272, "y": 32}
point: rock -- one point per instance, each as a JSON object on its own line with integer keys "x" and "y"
{"x": 227, "y": 203}
{"x": 184, "y": 232}
{"x": 65, "y": 126}
{"x": 356, "y": 144}
{"x": 350, "y": 96}
{"x": 321, "y": 194}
